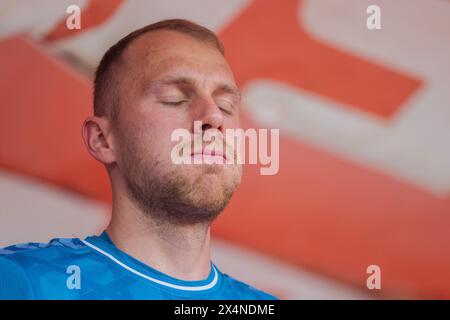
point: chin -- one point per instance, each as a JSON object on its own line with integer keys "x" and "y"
{"x": 212, "y": 189}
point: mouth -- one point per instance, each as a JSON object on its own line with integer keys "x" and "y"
{"x": 209, "y": 157}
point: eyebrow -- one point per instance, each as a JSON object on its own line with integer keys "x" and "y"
{"x": 176, "y": 81}
{"x": 226, "y": 88}
{"x": 184, "y": 81}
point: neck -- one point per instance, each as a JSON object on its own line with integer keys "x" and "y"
{"x": 182, "y": 251}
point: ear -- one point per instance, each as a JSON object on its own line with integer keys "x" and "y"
{"x": 97, "y": 137}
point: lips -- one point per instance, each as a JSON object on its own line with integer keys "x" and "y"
{"x": 209, "y": 157}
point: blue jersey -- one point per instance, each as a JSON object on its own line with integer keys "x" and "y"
{"x": 94, "y": 268}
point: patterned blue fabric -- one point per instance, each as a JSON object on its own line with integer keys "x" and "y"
{"x": 94, "y": 268}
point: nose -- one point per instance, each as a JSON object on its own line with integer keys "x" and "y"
{"x": 207, "y": 111}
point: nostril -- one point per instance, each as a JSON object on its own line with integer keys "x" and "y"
{"x": 206, "y": 126}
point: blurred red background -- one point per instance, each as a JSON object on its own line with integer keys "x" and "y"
{"x": 364, "y": 119}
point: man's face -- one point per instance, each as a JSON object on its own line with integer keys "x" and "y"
{"x": 169, "y": 80}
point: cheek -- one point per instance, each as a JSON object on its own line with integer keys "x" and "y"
{"x": 156, "y": 142}
{"x": 151, "y": 129}
{"x": 147, "y": 127}
{"x": 232, "y": 122}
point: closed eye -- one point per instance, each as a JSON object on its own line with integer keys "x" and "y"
{"x": 225, "y": 106}
{"x": 174, "y": 103}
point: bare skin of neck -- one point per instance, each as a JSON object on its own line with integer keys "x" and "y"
{"x": 182, "y": 252}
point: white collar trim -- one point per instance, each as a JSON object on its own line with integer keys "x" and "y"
{"x": 164, "y": 283}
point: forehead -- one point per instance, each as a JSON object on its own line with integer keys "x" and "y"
{"x": 165, "y": 53}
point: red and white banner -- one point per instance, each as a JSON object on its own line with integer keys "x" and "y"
{"x": 364, "y": 119}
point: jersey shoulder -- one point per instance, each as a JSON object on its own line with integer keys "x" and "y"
{"x": 242, "y": 291}
{"x": 56, "y": 249}
{"x": 69, "y": 243}
{"x": 21, "y": 263}
{"x": 14, "y": 283}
